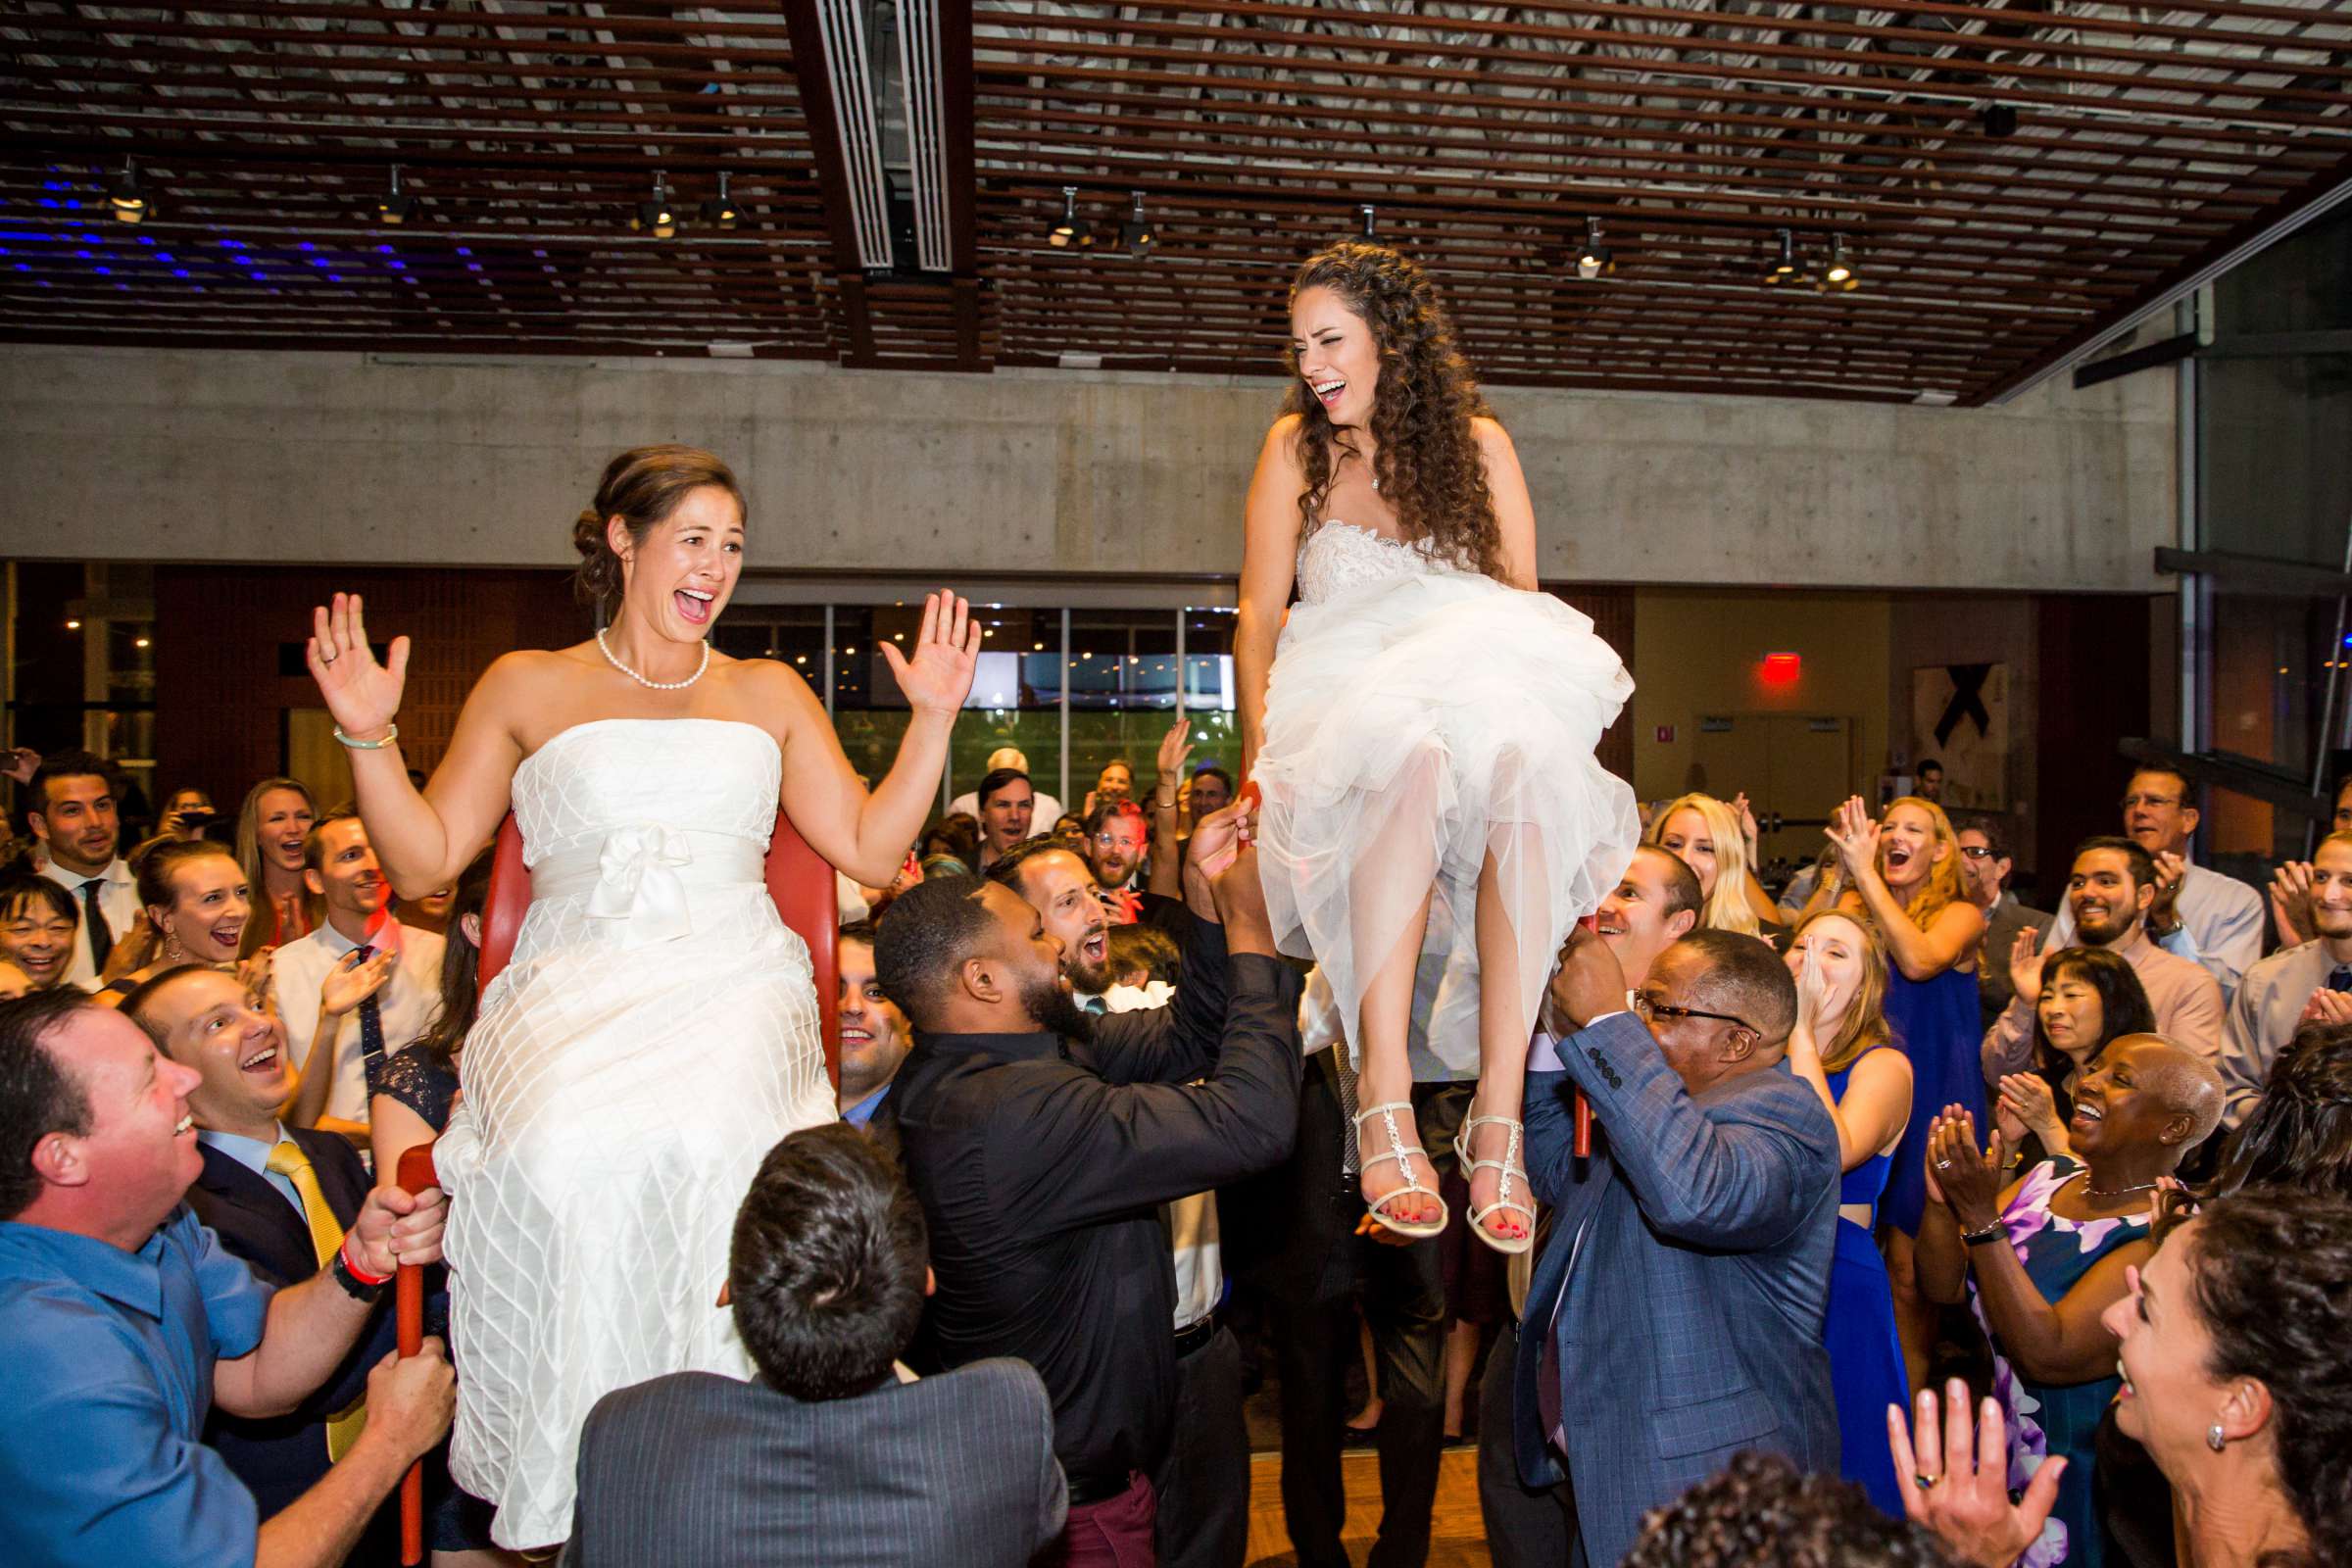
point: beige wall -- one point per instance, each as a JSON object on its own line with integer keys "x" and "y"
{"x": 129, "y": 454}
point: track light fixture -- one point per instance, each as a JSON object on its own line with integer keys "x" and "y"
{"x": 1072, "y": 232}
{"x": 1841, "y": 275}
{"x": 1370, "y": 235}
{"x": 1782, "y": 268}
{"x": 1136, "y": 234}
{"x": 124, "y": 196}
{"x": 720, "y": 209}
{"x": 1592, "y": 258}
{"x": 655, "y": 214}
{"x": 395, "y": 205}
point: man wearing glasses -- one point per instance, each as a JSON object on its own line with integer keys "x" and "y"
{"x": 2199, "y": 914}
{"x": 1688, "y": 1271}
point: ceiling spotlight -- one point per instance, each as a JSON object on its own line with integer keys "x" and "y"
{"x": 1840, "y": 274}
{"x": 1998, "y": 120}
{"x": 655, "y": 214}
{"x": 1370, "y": 235}
{"x": 1592, "y": 258}
{"x": 126, "y": 198}
{"x": 1138, "y": 236}
{"x": 1073, "y": 231}
{"x": 720, "y": 209}
{"x": 395, "y": 205}
{"x": 1784, "y": 258}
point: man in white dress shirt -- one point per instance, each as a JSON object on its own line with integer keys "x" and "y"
{"x": 1047, "y": 811}
{"x": 70, "y": 809}
{"x": 341, "y": 870}
{"x": 2202, "y": 914}
{"x": 2292, "y": 986}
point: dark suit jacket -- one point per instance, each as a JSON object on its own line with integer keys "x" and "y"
{"x": 283, "y": 1456}
{"x": 1994, "y": 988}
{"x": 1685, "y": 1282}
{"x": 1278, "y": 1230}
{"x": 699, "y": 1471}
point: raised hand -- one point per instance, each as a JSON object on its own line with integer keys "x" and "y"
{"x": 2172, "y": 870}
{"x": 362, "y": 694}
{"x": 1959, "y": 1489}
{"x": 2291, "y": 903}
{"x": 350, "y": 981}
{"x": 1855, "y": 833}
{"x": 1173, "y": 754}
{"x": 947, "y": 650}
{"x": 20, "y": 764}
{"x": 2026, "y": 1106}
{"x": 1967, "y": 1182}
{"x": 2025, "y": 966}
{"x": 1812, "y": 999}
{"x": 1747, "y": 822}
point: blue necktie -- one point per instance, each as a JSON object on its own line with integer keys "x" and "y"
{"x": 372, "y": 1028}
{"x": 2339, "y": 978}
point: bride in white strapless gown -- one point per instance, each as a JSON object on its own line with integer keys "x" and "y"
{"x": 656, "y": 1030}
{"x": 1420, "y": 729}
{"x": 596, "y": 1161}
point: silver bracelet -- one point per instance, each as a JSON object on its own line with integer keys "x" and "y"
{"x": 392, "y": 733}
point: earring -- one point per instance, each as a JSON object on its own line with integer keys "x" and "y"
{"x": 2216, "y": 1439}
{"x": 170, "y": 944}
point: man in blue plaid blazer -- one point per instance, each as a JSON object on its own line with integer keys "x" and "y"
{"x": 1675, "y": 1315}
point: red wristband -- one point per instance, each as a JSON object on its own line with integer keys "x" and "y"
{"x": 352, "y": 1267}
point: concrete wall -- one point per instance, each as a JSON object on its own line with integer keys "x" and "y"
{"x": 160, "y": 454}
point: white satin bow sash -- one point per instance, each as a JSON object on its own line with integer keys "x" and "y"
{"x": 640, "y": 877}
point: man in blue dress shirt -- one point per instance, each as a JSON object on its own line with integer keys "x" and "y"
{"x": 127, "y": 1323}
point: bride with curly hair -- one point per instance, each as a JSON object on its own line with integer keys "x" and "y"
{"x": 1421, "y": 728}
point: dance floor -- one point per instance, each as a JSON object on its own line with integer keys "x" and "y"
{"x": 1457, "y": 1538}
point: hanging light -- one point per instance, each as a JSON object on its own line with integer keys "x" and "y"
{"x": 1370, "y": 235}
{"x": 1784, "y": 258}
{"x": 1593, "y": 257}
{"x": 655, "y": 214}
{"x": 1841, "y": 275}
{"x": 395, "y": 205}
{"x": 1073, "y": 231}
{"x": 126, "y": 198}
{"x": 1136, "y": 234}
{"x": 720, "y": 209}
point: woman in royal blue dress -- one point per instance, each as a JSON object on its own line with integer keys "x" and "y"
{"x": 1903, "y": 872}
{"x": 1841, "y": 1047}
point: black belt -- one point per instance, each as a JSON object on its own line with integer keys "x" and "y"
{"x": 1087, "y": 1490}
{"x": 1189, "y": 1339}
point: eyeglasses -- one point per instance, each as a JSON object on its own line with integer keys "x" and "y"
{"x": 1977, "y": 852}
{"x": 2155, "y": 802}
{"x": 1651, "y": 1009}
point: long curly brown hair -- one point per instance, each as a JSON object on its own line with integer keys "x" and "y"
{"x": 1427, "y": 461}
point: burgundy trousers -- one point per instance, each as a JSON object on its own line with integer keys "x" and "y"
{"x": 1115, "y": 1533}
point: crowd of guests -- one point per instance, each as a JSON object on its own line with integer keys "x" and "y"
{"x": 1911, "y": 1225}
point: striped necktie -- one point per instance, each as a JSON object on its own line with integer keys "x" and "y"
{"x": 327, "y": 1239}
{"x": 371, "y": 1027}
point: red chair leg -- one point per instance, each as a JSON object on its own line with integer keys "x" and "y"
{"x": 416, "y": 1175}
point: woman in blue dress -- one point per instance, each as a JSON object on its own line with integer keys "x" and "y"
{"x": 1903, "y": 872}
{"x": 2043, "y": 1262}
{"x": 1841, "y": 1045}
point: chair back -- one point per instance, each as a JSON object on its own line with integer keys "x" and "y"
{"x": 799, "y": 879}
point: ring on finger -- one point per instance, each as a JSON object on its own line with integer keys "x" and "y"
{"x": 1926, "y": 1482}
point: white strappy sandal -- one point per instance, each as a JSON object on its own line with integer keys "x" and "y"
{"x": 1512, "y": 1165}
{"x": 1398, "y": 1149}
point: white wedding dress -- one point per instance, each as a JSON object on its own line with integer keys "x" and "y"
{"x": 1420, "y": 714}
{"x": 653, "y": 1037}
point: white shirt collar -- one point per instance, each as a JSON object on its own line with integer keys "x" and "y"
{"x": 337, "y": 944}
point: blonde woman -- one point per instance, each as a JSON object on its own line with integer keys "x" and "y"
{"x": 1903, "y": 872}
{"x": 1842, "y": 1047}
{"x": 1708, "y": 835}
{"x": 271, "y": 825}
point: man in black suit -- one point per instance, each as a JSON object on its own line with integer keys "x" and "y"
{"x": 1984, "y": 867}
{"x": 832, "y": 1457}
{"x": 279, "y": 1197}
{"x": 1041, "y": 1144}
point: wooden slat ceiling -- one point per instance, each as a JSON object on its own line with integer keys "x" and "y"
{"x": 2148, "y": 139}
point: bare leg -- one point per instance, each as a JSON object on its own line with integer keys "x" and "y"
{"x": 1503, "y": 1027}
{"x": 1386, "y": 1018}
{"x": 1914, "y": 1314}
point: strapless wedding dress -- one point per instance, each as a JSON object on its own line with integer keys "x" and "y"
{"x": 1418, "y": 715}
{"x": 653, "y": 1037}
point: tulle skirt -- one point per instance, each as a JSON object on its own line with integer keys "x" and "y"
{"x": 1413, "y": 726}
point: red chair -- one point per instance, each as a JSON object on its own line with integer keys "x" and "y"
{"x": 802, "y": 883}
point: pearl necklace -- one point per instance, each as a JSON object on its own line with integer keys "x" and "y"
{"x": 613, "y": 660}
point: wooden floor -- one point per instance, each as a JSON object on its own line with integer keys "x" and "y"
{"x": 1456, "y": 1539}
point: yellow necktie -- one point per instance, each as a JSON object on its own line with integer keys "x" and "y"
{"x": 327, "y": 1239}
